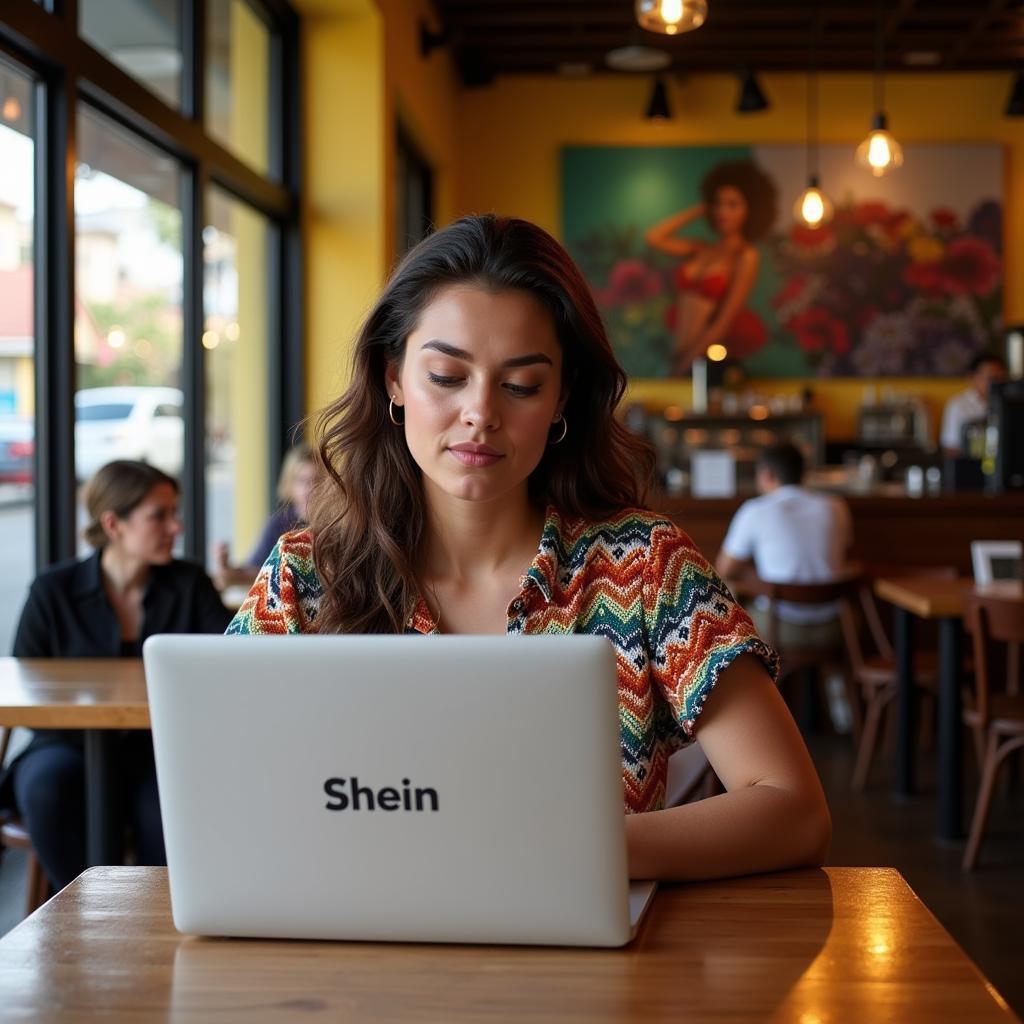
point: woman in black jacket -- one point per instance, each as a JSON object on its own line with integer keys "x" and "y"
{"x": 104, "y": 606}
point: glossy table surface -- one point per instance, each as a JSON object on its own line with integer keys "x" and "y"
{"x": 843, "y": 944}
{"x": 73, "y": 693}
{"x": 931, "y": 598}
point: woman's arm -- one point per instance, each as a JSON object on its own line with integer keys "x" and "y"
{"x": 743, "y": 281}
{"x": 773, "y": 814}
{"x": 660, "y": 235}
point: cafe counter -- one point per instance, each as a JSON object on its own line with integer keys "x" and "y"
{"x": 889, "y": 527}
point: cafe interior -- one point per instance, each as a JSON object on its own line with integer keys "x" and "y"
{"x": 200, "y": 200}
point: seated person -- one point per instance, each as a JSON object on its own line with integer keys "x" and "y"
{"x": 104, "y": 606}
{"x": 294, "y": 486}
{"x": 970, "y": 405}
{"x": 789, "y": 534}
{"x": 477, "y": 481}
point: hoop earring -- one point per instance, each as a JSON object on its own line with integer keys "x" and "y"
{"x": 391, "y": 414}
{"x": 565, "y": 430}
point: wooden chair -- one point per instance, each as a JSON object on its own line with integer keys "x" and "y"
{"x": 797, "y": 658}
{"x": 995, "y": 718}
{"x": 14, "y": 836}
{"x": 876, "y": 673}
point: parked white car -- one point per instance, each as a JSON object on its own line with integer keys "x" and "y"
{"x": 128, "y": 423}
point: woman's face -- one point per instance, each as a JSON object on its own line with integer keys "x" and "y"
{"x": 479, "y": 388}
{"x": 728, "y": 210}
{"x": 148, "y": 532}
{"x": 303, "y": 478}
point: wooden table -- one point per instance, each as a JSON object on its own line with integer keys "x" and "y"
{"x": 94, "y": 694}
{"x": 844, "y": 944}
{"x": 943, "y": 600}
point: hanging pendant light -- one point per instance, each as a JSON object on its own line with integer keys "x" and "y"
{"x": 879, "y": 152}
{"x": 658, "y": 108}
{"x": 670, "y": 17}
{"x": 812, "y": 207}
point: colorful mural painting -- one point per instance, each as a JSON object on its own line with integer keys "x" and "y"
{"x": 691, "y": 247}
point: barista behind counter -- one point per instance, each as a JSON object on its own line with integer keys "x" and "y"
{"x": 970, "y": 405}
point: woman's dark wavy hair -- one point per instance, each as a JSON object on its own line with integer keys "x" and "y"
{"x": 758, "y": 189}
{"x": 367, "y": 513}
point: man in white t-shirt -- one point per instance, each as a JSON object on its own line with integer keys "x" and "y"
{"x": 972, "y": 404}
{"x": 790, "y": 535}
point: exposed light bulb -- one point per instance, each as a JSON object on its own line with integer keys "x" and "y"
{"x": 672, "y": 12}
{"x": 813, "y": 207}
{"x": 717, "y": 353}
{"x": 880, "y": 152}
{"x": 670, "y": 17}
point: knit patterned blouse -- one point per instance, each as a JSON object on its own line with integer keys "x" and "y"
{"x": 634, "y": 578}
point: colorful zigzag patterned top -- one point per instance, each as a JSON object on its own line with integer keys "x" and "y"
{"x": 635, "y": 578}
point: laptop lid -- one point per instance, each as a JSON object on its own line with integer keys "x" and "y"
{"x": 459, "y": 789}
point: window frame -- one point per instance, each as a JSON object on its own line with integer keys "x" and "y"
{"x": 68, "y": 72}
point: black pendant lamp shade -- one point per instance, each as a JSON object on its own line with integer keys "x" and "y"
{"x": 752, "y": 98}
{"x": 658, "y": 108}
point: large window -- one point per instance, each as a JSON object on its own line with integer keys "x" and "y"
{"x": 236, "y": 337}
{"x": 17, "y": 344}
{"x": 166, "y": 281}
{"x": 141, "y": 36}
{"x": 239, "y": 80}
{"x": 129, "y": 270}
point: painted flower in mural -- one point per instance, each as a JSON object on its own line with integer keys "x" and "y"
{"x": 896, "y": 293}
{"x": 970, "y": 266}
{"x": 927, "y": 278}
{"x": 812, "y": 241}
{"x": 817, "y": 330}
{"x": 869, "y": 214}
{"x": 944, "y": 221}
{"x": 925, "y": 249}
{"x": 631, "y": 281}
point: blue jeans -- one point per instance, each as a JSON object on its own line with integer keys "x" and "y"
{"x": 49, "y": 790}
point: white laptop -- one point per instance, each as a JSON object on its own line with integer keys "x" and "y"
{"x": 400, "y": 788}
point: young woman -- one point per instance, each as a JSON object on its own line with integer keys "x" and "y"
{"x": 104, "y": 606}
{"x": 475, "y": 480}
{"x": 716, "y": 278}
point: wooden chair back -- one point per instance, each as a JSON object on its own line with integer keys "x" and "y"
{"x": 991, "y": 620}
{"x": 841, "y": 591}
{"x": 866, "y": 609}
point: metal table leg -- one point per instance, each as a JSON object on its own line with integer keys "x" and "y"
{"x": 904, "y": 628}
{"x": 102, "y": 818}
{"x": 950, "y": 823}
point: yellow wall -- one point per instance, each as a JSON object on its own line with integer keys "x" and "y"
{"x": 510, "y": 136}
{"x": 361, "y": 70}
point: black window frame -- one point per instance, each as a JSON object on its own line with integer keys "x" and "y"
{"x": 414, "y": 177}
{"x": 69, "y": 71}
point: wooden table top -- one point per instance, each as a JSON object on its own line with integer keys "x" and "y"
{"x": 843, "y": 944}
{"x": 73, "y": 693}
{"x": 931, "y": 598}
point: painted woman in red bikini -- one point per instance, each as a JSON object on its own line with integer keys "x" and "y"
{"x": 716, "y": 278}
